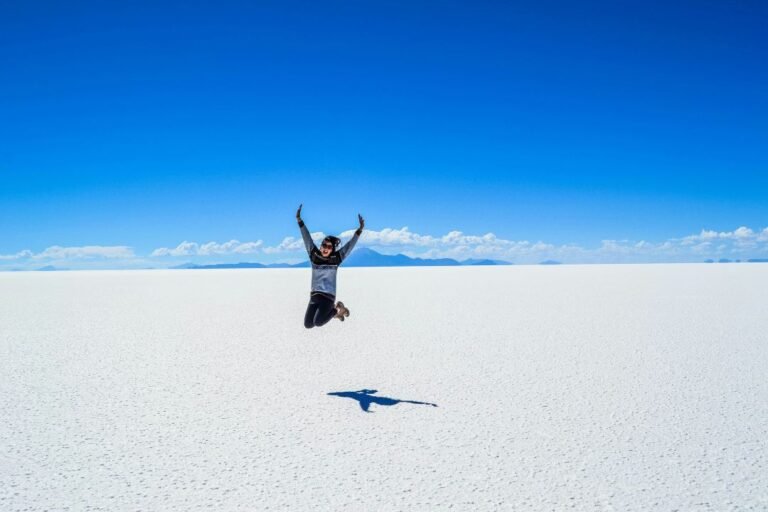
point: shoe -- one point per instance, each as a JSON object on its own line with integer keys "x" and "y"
{"x": 343, "y": 311}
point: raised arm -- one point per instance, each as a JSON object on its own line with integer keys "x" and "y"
{"x": 308, "y": 243}
{"x": 344, "y": 251}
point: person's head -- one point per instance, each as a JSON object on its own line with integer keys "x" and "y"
{"x": 329, "y": 245}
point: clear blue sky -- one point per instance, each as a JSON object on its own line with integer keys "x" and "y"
{"x": 148, "y": 123}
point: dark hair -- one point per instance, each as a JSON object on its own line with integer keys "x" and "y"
{"x": 332, "y": 240}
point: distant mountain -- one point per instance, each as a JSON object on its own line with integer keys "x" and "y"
{"x": 550, "y": 262}
{"x": 726, "y": 260}
{"x": 49, "y": 268}
{"x": 183, "y": 266}
{"x": 220, "y": 265}
{"x": 365, "y": 257}
{"x": 195, "y": 266}
{"x": 484, "y": 262}
{"x": 362, "y": 257}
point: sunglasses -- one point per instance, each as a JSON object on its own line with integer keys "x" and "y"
{"x": 327, "y": 246}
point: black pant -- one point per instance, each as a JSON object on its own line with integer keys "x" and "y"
{"x": 320, "y": 310}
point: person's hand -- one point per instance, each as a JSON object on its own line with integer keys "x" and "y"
{"x": 362, "y": 221}
{"x": 298, "y": 212}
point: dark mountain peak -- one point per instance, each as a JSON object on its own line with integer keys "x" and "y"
{"x": 472, "y": 261}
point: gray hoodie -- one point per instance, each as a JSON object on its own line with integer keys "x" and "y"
{"x": 324, "y": 269}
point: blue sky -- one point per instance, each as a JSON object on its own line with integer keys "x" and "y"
{"x": 145, "y": 125}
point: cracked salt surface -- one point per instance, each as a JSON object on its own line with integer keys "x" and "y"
{"x": 627, "y": 387}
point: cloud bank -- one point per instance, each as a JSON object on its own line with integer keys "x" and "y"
{"x": 741, "y": 243}
{"x": 57, "y": 252}
{"x": 208, "y": 249}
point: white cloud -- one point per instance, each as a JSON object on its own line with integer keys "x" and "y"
{"x": 231, "y": 247}
{"x": 392, "y": 237}
{"x": 183, "y": 249}
{"x": 18, "y": 256}
{"x": 90, "y": 251}
{"x": 291, "y": 244}
{"x": 57, "y": 252}
{"x": 454, "y": 244}
{"x": 741, "y": 243}
{"x": 84, "y": 257}
{"x": 743, "y": 232}
{"x": 186, "y": 248}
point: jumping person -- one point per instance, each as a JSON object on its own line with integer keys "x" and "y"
{"x": 325, "y": 262}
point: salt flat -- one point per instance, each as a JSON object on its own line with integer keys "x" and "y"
{"x": 625, "y": 387}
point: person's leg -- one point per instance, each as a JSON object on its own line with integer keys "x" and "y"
{"x": 309, "y": 316}
{"x": 325, "y": 310}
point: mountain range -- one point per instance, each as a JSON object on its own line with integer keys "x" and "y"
{"x": 362, "y": 257}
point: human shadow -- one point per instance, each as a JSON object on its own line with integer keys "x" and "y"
{"x": 365, "y": 398}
